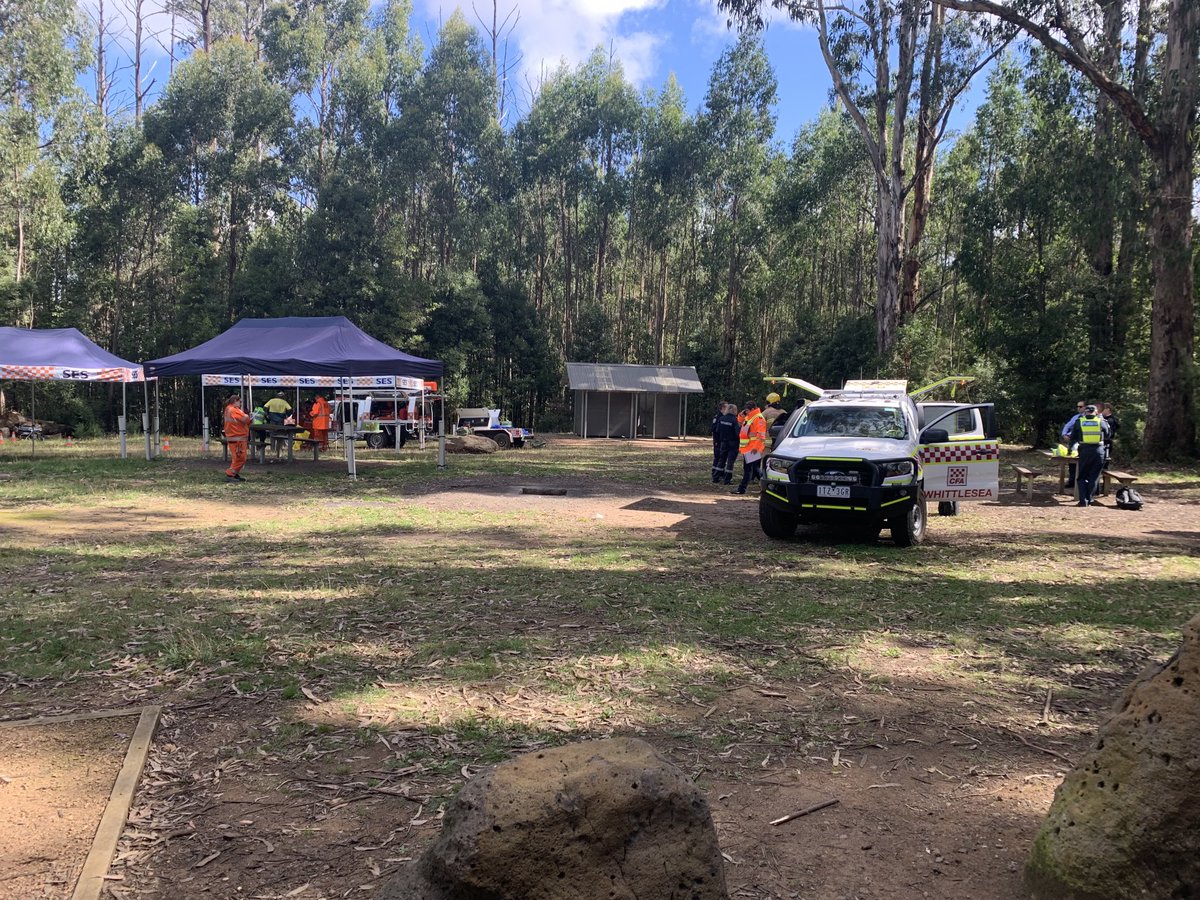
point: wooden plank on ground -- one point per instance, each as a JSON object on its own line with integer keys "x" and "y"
{"x": 73, "y": 717}
{"x": 112, "y": 823}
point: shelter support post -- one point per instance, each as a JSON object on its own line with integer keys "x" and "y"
{"x": 123, "y": 423}
{"x": 441, "y": 463}
{"x": 683, "y": 427}
{"x": 608, "y": 416}
{"x": 203, "y": 420}
{"x": 33, "y": 435}
{"x": 146, "y": 416}
{"x": 157, "y": 408}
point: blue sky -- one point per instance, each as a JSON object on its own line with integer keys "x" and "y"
{"x": 652, "y": 38}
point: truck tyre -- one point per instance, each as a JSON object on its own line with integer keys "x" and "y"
{"x": 908, "y": 530}
{"x": 775, "y": 522}
{"x": 502, "y": 438}
{"x": 376, "y": 439}
{"x": 948, "y": 508}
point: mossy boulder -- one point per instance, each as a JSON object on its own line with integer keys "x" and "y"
{"x": 1126, "y": 821}
{"x": 598, "y": 820}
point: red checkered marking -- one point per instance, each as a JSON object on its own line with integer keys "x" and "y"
{"x": 29, "y": 373}
{"x": 953, "y": 453}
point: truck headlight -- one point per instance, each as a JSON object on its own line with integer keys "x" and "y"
{"x": 778, "y": 466}
{"x": 900, "y": 469}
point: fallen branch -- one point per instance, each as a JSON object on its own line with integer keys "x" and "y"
{"x": 1020, "y": 737}
{"x": 804, "y": 812}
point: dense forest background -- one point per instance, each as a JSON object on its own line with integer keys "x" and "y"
{"x": 310, "y": 158}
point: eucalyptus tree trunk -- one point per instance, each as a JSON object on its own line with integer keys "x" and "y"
{"x": 1169, "y": 133}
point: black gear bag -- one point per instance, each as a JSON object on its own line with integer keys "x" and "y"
{"x": 1128, "y": 498}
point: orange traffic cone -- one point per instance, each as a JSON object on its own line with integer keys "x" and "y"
{"x": 166, "y": 444}
{"x": 1, "y": 437}
{"x": 70, "y": 441}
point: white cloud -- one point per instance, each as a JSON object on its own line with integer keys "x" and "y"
{"x": 550, "y": 32}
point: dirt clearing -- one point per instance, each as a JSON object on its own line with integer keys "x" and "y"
{"x": 336, "y": 659}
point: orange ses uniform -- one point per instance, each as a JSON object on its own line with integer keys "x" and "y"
{"x": 237, "y": 434}
{"x": 320, "y": 421}
{"x": 754, "y": 433}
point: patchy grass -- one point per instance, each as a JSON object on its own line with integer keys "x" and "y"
{"x": 428, "y": 621}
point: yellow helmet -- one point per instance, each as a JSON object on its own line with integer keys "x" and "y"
{"x": 772, "y": 397}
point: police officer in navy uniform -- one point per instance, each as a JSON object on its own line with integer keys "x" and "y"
{"x": 1090, "y": 432}
{"x": 725, "y": 443}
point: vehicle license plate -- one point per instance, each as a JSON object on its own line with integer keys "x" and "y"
{"x": 833, "y": 490}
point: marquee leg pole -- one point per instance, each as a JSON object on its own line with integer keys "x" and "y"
{"x": 123, "y": 423}
{"x": 441, "y": 463}
{"x": 203, "y": 420}
{"x": 157, "y": 409}
{"x": 33, "y": 418}
{"x": 146, "y": 416}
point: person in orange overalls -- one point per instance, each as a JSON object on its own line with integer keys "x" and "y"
{"x": 320, "y": 421}
{"x": 237, "y": 436}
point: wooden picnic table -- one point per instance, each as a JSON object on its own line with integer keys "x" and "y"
{"x": 275, "y": 434}
{"x": 1063, "y": 462}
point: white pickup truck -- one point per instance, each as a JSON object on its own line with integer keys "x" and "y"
{"x": 869, "y": 455}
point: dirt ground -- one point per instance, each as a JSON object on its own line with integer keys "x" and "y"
{"x": 939, "y": 786}
{"x": 55, "y": 781}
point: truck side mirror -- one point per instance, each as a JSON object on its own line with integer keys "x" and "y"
{"x": 935, "y": 436}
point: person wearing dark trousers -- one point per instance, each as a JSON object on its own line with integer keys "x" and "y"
{"x": 1090, "y": 432}
{"x": 716, "y": 466}
{"x": 725, "y": 439}
{"x": 1106, "y": 410}
{"x": 752, "y": 443}
{"x": 1065, "y": 436}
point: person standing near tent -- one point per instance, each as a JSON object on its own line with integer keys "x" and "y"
{"x": 320, "y": 421}
{"x": 277, "y": 409}
{"x": 237, "y": 436}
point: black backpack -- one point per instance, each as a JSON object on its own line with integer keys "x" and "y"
{"x": 1128, "y": 498}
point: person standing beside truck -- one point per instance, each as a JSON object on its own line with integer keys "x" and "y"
{"x": 752, "y": 442}
{"x": 1090, "y": 432}
{"x": 773, "y": 410}
{"x": 237, "y": 435}
{"x": 725, "y": 437}
{"x": 716, "y": 466}
{"x": 320, "y": 421}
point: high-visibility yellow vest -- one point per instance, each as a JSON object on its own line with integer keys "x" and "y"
{"x": 1090, "y": 428}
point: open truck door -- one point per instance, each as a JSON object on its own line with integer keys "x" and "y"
{"x": 960, "y": 453}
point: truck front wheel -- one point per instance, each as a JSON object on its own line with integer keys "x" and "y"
{"x": 775, "y": 522}
{"x": 908, "y": 529}
{"x": 376, "y": 439}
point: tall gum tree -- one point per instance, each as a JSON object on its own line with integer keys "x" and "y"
{"x": 1168, "y": 129}
{"x": 892, "y": 62}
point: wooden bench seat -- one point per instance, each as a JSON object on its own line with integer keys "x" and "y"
{"x": 1028, "y": 475}
{"x": 309, "y": 444}
{"x": 1110, "y": 475}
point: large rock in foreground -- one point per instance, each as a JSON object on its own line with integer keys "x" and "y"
{"x": 471, "y": 443}
{"x": 599, "y": 820}
{"x": 1126, "y": 821}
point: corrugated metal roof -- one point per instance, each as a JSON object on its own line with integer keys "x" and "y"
{"x": 623, "y": 377}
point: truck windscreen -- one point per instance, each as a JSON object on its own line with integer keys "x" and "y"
{"x": 851, "y": 421}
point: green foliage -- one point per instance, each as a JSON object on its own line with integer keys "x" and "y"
{"x": 322, "y": 162}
